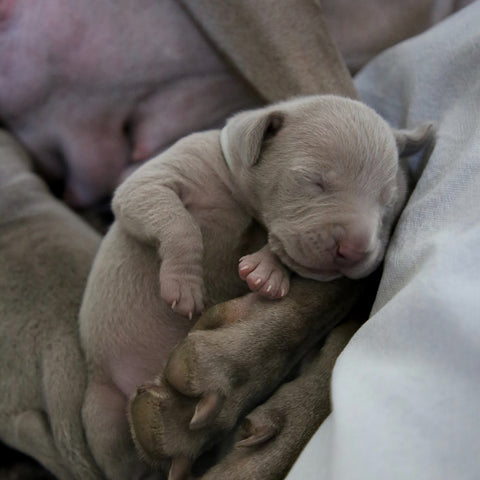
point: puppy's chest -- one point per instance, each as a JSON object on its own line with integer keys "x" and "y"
{"x": 213, "y": 207}
{"x": 226, "y": 232}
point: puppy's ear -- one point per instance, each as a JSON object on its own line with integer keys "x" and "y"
{"x": 246, "y": 134}
{"x": 412, "y": 141}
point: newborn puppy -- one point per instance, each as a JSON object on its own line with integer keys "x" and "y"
{"x": 327, "y": 189}
{"x": 313, "y": 184}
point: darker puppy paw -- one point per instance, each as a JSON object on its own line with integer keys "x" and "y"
{"x": 159, "y": 419}
{"x": 169, "y": 433}
{"x": 208, "y": 384}
{"x": 233, "y": 360}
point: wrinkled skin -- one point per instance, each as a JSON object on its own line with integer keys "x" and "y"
{"x": 91, "y": 102}
{"x": 327, "y": 183}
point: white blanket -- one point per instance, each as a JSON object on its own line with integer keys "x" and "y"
{"x": 406, "y": 390}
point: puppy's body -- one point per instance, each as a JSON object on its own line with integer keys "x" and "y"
{"x": 145, "y": 327}
{"x": 320, "y": 174}
{"x": 127, "y": 329}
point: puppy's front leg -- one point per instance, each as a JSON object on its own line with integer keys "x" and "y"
{"x": 264, "y": 273}
{"x": 148, "y": 207}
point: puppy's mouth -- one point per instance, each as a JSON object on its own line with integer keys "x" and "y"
{"x": 322, "y": 273}
{"x": 325, "y": 267}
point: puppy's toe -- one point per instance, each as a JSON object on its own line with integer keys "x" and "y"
{"x": 256, "y": 280}
{"x": 276, "y": 286}
{"x": 247, "y": 265}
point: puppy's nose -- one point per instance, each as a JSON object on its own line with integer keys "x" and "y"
{"x": 351, "y": 246}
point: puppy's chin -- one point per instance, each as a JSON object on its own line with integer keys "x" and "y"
{"x": 319, "y": 275}
{"x": 366, "y": 266}
{"x": 324, "y": 273}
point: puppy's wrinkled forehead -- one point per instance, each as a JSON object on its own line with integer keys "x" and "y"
{"x": 342, "y": 138}
{"x": 333, "y": 144}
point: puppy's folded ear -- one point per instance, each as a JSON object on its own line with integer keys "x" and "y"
{"x": 246, "y": 134}
{"x": 416, "y": 139}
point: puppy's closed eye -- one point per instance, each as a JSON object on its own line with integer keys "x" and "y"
{"x": 307, "y": 176}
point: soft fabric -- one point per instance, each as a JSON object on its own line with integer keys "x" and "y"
{"x": 406, "y": 390}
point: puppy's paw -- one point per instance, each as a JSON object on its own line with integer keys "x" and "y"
{"x": 204, "y": 390}
{"x": 182, "y": 291}
{"x": 264, "y": 274}
{"x": 159, "y": 422}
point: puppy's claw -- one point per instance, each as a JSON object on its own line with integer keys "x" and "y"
{"x": 174, "y": 304}
{"x": 256, "y": 434}
{"x": 180, "y": 468}
{"x": 206, "y": 410}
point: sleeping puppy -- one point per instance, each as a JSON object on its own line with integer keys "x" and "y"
{"x": 310, "y": 186}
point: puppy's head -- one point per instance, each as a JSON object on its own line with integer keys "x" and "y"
{"x": 322, "y": 174}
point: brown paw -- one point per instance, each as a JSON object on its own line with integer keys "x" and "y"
{"x": 159, "y": 419}
{"x": 207, "y": 385}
